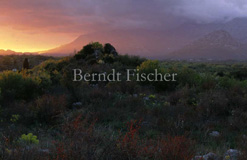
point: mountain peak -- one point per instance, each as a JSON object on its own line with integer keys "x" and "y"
{"x": 219, "y": 38}
{"x": 218, "y": 35}
{"x": 218, "y": 44}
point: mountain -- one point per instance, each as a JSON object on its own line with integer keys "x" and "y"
{"x": 236, "y": 27}
{"x": 10, "y": 52}
{"x": 217, "y": 45}
{"x": 140, "y": 42}
{"x": 155, "y": 44}
{"x": 6, "y": 52}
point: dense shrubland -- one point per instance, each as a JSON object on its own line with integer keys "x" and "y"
{"x": 122, "y": 120}
{"x": 10, "y": 62}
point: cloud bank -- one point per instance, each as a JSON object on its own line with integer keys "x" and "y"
{"x": 74, "y": 17}
{"x": 211, "y": 10}
{"x": 90, "y": 15}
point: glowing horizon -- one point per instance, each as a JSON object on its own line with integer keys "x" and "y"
{"x": 24, "y": 50}
{"x": 25, "y": 41}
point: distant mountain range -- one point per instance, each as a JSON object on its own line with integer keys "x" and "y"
{"x": 221, "y": 41}
{"x": 218, "y": 45}
{"x": 10, "y": 52}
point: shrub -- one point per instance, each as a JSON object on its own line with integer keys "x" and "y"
{"x": 238, "y": 119}
{"x": 176, "y": 148}
{"x": 128, "y": 143}
{"x": 28, "y": 139}
{"x": 78, "y": 140}
{"x": 127, "y": 60}
{"x": 44, "y": 80}
{"x": 52, "y": 64}
{"x": 26, "y": 149}
{"x": 123, "y": 87}
{"x": 147, "y": 67}
{"x": 109, "y": 49}
{"x": 18, "y": 86}
{"x": 150, "y": 66}
{"x": 14, "y": 118}
{"x": 97, "y": 46}
{"x": 239, "y": 73}
{"x": 48, "y": 65}
{"x": 175, "y": 97}
{"x": 25, "y": 64}
{"x": 188, "y": 77}
{"x": 47, "y": 107}
{"x": 88, "y": 50}
{"x": 168, "y": 148}
{"x": 207, "y": 81}
{"x": 243, "y": 148}
{"x": 108, "y": 58}
{"x": 0, "y": 96}
{"x": 214, "y": 104}
{"x": 231, "y": 83}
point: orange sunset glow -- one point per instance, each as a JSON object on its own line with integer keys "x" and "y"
{"x": 20, "y": 41}
{"x": 32, "y": 26}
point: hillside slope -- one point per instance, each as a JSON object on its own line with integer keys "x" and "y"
{"x": 218, "y": 45}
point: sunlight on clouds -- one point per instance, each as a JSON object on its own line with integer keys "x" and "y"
{"x": 30, "y": 42}
{"x": 32, "y": 25}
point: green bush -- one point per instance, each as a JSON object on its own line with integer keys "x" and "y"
{"x": 88, "y": 50}
{"x": 50, "y": 72}
{"x": 228, "y": 83}
{"x": 187, "y": 76}
{"x": 28, "y": 139}
{"x": 150, "y": 66}
{"x": 207, "y": 81}
{"x": 18, "y": 86}
{"x": 44, "y": 80}
{"x": 130, "y": 60}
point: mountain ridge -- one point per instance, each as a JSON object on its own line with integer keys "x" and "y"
{"x": 217, "y": 45}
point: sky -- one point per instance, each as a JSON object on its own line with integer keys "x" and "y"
{"x": 36, "y": 25}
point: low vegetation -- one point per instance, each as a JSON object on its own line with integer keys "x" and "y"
{"x": 45, "y": 115}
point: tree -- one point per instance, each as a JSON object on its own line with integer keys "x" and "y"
{"x": 15, "y": 63}
{"x": 97, "y": 46}
{"x": 109, "y": 49}
{"x": 88, "y": 49}
{"x": 25, "y": 64}
{"x": 93, "y": 48}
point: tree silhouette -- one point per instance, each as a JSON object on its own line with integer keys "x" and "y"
{"x": 25, "y": 64}
{"x": 109, "y": 49}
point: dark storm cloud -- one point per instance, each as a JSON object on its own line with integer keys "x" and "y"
{"x": 75, "y": 16}
{"x": 210, "y": 10}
